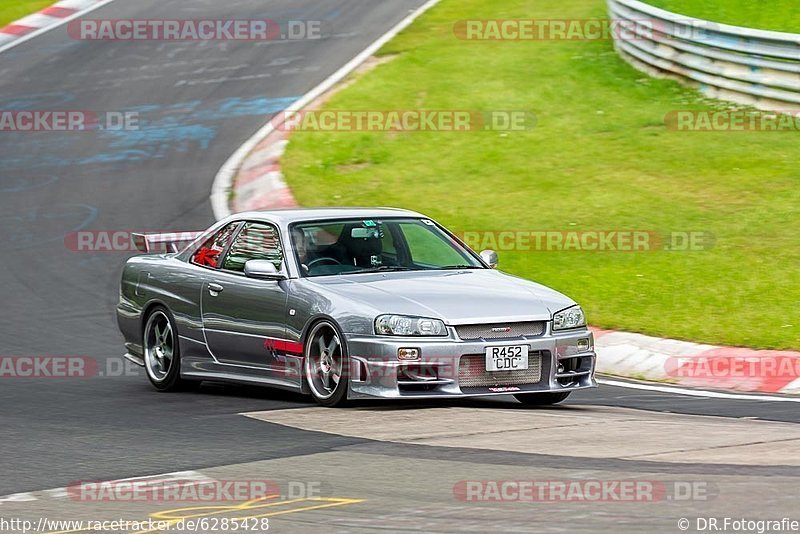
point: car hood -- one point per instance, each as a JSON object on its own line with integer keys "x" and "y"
{"x": 456, "y": 297}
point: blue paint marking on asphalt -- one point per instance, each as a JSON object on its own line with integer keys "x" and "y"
{"x": 191, "y": 105}
{"x": 115, "y": 157}
{"x": 239, "y": 107}
{"x": 17, "y": 184}
{"x": 50, "y": 101}
{"x": 38, "y": 226}
{"x": 32, "y": 162}
{"x": 181, "y": 127}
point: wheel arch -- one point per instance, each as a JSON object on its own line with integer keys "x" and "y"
{"x": 309, "y": 326}
{"x": 148, "y": 308}
{"x": 314, "y": 321}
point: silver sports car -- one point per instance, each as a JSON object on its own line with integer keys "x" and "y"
{"x": 347, "y": 303}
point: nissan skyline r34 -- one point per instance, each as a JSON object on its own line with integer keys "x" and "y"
{"x": 347, "y": 303}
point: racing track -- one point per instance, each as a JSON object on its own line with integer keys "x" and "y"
{"x": 197, "y": 102}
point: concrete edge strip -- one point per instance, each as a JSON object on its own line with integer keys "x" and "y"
{"x": 223, "y": 182}
{"x": 45, "y": 20}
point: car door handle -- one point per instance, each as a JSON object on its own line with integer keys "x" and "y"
{"x": 215, "y": 288}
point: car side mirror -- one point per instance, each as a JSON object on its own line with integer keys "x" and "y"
{"x": 262, "y": 269}
{"x": 489, "y": 257}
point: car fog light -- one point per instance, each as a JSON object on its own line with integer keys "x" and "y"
{"x": 583, "y": 345}
{"x": 408, "y": 354}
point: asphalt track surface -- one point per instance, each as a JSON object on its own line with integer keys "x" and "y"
{"x": 197, "y": 102}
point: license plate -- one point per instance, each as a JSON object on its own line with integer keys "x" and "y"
{"x": 513, "y": 358}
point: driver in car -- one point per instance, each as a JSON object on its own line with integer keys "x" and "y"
{"x": 300, "y": 245}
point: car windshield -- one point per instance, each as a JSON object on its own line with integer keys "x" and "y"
{"x": 355, "y": 246}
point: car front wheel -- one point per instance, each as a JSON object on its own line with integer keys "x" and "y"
{"x": 326, "y": 364}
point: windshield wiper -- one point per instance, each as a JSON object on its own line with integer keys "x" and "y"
{"x": 382, "y": 268}
{"x": 458, "y": 267}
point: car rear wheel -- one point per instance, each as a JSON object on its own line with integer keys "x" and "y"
{"x": 542, "y": 399}
{"x": 162, "y": 354}
{"x": 327, "y": 364}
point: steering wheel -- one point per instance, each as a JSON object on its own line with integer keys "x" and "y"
{"x": 326, "y": 259}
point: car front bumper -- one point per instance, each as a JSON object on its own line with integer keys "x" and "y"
{"x": 450, "y": 367}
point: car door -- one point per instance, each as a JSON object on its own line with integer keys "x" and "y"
{"x": 244, "y": 319}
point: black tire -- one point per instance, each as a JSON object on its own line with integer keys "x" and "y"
{"x": 542, "y": 399}
{"x": 319, "y": 357}
{"x": 163, "y": 367}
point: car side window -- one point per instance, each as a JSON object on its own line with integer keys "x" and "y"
{"x": 256, "y": 241}
{"x": 209, "y": 253}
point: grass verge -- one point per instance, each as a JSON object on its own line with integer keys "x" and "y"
{"x": 600, "y": 158}
{"x": 11, "y": 10}
{"x": 778, "y": 15}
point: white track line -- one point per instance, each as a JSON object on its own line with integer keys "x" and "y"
{"x": 224, "y": 179}
{"x": 695, "y": 392}
{"x": 60, "y": 493}
{"x": 46, "y": 29}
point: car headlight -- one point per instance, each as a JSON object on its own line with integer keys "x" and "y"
{"x": 403, "y": 325}
{"x": 570, "y": 318}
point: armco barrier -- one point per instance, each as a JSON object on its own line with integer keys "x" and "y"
{"x": 748, "y": 66}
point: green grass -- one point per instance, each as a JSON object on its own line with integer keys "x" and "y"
{"x": 779, "y": 15}
{"x": 600, "y": 158}
{"x": 11, "y": 10}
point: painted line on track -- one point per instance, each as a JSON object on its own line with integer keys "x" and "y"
{"x": 695, "y": 392}
{"x": 63, "y": 492}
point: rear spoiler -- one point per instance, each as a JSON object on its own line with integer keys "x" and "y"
{"x": 164, "y": 242}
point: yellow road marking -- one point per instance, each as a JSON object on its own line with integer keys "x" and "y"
{"x": 338, "y": 502}
{"x": 171, "y": 518}
{"x": 215, "y": 510}
{"x": 208, "y": 511}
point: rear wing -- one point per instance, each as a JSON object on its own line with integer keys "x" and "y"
{"x": 164, "y": 242}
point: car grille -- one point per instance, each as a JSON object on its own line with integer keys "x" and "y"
{"x": 472, "y": 372}
{"x": 484, "y": 331}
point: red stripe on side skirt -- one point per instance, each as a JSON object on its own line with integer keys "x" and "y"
{"x": 283, "y": 345}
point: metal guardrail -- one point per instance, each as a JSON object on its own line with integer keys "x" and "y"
{"x": 748, "y": 66}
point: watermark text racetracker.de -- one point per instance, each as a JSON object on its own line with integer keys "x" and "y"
{"x": 584, "y": 490}
{"x": 193, "y": 30}
{"x": 733, "y": 121}
{"x": 121, "y": 240}
{"x": 620, "y": 240}
{"x": 194, "y": 490}
{"x": 717, "y": 367}
{"x": 65, "y": 366}
{"x": 404, "y": 120}
{"x": 64, "y": 120}
{"x": 581, "y": 29}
